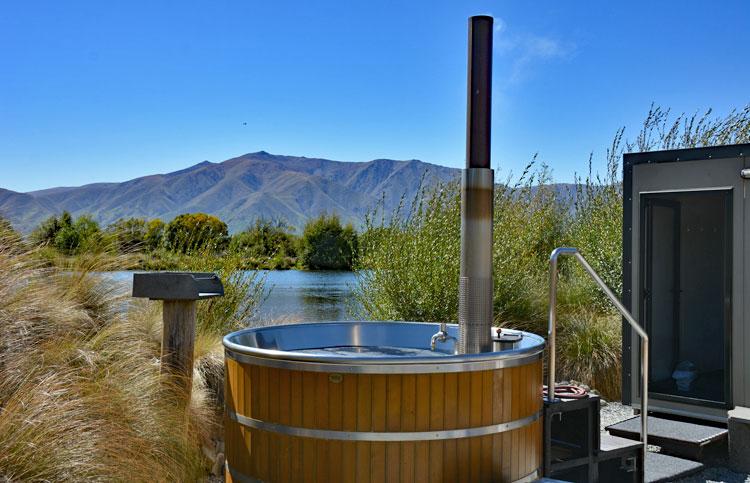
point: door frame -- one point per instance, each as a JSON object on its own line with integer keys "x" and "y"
{"x": 672, "y": 167}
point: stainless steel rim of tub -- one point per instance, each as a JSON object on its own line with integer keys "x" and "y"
{"x": 311, "y": 347}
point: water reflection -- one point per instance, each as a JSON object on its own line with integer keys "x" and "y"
{"x": 297, "y": 296}
{"x": 294, "y": 295}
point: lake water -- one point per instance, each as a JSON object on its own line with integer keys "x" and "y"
{"x": 298, "y": 296}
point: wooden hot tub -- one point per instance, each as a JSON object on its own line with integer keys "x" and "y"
{"x": 369, "y": 401}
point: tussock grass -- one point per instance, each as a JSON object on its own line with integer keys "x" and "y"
{"x": 80, "y": 393}
{"x": 589, "y": 349}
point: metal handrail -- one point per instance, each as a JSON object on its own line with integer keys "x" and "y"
{"x": 556, "y": 253}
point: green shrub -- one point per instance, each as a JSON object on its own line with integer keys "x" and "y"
{"x": 154, "y": 234}
{"x": 408, "y": 266}
{"x": 265, "y": 240}
{"x": 197, "y": 232}
{"x": 47, "y": 230}
{"x": 327, "y": 245}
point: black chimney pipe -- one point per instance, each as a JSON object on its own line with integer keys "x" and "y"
{"x": 475, "y": 286}
{"x": 479, "y": 96}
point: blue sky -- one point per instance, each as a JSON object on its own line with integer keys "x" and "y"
{"x": 108, "y": 91}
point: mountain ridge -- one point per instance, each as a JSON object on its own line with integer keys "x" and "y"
{"x": 238, "y": 190}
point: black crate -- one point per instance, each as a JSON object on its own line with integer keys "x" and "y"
{"x": 571, "y": 439}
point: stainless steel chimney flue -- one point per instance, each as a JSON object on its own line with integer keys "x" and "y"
{"x": 477, "y": 188}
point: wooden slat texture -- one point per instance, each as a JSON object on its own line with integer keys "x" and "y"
{"x": 394, "y": 388}
{"x": 377, "y": 449}
{"x": 475, "y": 419}
{"x": 486, "y": 444}
{"x": 295, "y": 381}
{"x": 364, "y": 423}
{"x": 379, "y": 402}
{"x": 408, "y": 423}
{"x": 463, "y": 401}
{"x": 422, "y": 421}
{"x": 308, "y": 421}
{"x": 437, "y": 421}
{"x": 450, "y": 418}
{"x": 349, "y": 423}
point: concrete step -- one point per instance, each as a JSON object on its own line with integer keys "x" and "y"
{"x": 684, "y": 439}
{"x": 613, "y": 446}
{"x": 661, "y": 467}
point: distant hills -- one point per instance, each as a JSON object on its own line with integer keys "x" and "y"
{"x": 238, "y": 191}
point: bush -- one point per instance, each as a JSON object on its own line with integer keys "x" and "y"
{"x": 267, "y": 242}
{"x": 193, "y": 232}
{"x": 47, "y": 230}
{"x": 69, "y": 236}
{"x": 154, "y": 234}
{"x": 327, "y": 245}
{"x": 129, "y": 234}
{"x": 408, "y": 266}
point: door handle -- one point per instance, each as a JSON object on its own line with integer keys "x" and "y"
{"x": 745, "y": 173}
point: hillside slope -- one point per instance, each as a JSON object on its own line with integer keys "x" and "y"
{"x": 238, "y": 191}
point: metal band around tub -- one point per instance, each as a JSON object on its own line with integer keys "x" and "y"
{"x": 358, "y": 367}
{"x": 382, "y": 435}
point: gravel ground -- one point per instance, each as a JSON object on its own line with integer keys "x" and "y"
{"x": 614, "y": 412}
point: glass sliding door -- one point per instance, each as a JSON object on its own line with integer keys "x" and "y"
{"x": 686, "y": 296}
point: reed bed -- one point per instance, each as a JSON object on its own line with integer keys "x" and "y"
{"x": 409, "y": 264}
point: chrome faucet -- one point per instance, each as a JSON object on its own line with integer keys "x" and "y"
{"x": 440, "y": 336}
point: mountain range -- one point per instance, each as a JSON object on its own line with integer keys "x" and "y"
{"x": 238, "y": 190}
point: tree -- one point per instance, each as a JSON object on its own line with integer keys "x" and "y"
{"x": 67, "y": 235}
{"x": 196, "y": 231}
{"x": 265, "y": 239}
{"x": 129, "y": 233}
{"x": 327, "y": 245}
{"x": 75, "y": 237}
{"x": 47, "y": 230}
{"x": 154, "y": 233}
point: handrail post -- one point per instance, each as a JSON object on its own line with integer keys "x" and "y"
{"x": 552, "y": 332}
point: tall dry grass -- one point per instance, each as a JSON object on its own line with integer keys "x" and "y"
{"x": 80, "y": 393}
{"x": 409, "y": 263}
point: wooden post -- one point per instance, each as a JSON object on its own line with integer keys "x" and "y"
{"x": 178, "y": 341}
{"x": 178, "y": 291}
